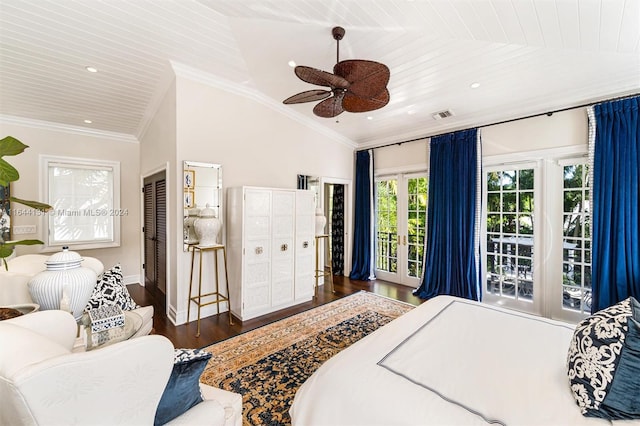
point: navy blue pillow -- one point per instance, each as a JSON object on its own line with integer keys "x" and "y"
{"x": 183, "y": 388}
{"x": 604, "y": 362}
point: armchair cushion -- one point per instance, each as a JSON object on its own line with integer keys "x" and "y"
{"x": 183, "y": 389}
{"x": 110, "y": 290}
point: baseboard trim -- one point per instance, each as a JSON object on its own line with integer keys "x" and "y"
{"x": 132, "y": 279}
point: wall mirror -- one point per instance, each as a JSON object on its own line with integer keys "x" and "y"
{"x": 202, "y": 183}
{"x": 312, "y": 183}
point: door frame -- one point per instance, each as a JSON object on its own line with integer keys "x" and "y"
{"x": 168, "y": 288}
{"x": 348, "y": 218}
{"x": 402, "y": 177}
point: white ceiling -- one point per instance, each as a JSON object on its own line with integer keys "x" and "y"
{"x": 529, "y": 56}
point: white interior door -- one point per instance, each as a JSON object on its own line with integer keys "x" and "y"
{"x": 401, "y": 218}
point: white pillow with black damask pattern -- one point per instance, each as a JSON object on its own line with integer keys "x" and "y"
{"x": 604, "y": 362}
{"x": 111, "y": 291}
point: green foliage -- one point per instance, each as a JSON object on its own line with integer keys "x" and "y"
{"x": 387, "y": 224}
{"x": 10, "y": 146}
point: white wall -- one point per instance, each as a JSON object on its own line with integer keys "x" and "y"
{"x": 62, "y": 143}
{"x": 256, "y": 146}
{"x": 562, "y": 129}
{"x": 158, "y": 152}
{"x": 410, "y": 156}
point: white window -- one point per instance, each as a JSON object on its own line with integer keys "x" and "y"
{"x": 85, "y": 196}
{"x": 536, "y": 246}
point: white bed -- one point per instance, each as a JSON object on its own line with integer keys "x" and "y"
{"x": 450, "y": 361}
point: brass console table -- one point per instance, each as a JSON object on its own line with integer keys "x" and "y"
{"x": 218, "y": 297}
{"x": 323, "y": 272}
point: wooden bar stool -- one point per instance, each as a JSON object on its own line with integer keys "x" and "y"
{"x": 218, "y": 297}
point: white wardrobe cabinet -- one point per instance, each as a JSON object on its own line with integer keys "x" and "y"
{"x": 270, "y": 239}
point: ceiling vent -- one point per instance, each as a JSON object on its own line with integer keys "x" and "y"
{"x": 442, "y": 114}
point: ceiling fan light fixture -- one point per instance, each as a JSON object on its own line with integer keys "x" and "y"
{"x": 356, "y": 85}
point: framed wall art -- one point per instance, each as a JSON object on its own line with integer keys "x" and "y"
{"x": 189, "y": 179}
{"x": 189, "y": 199}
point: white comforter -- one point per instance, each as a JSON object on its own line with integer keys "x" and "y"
{"x": 447, "y": 362}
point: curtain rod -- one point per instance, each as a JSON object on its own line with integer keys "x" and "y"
{"x": 548, "y": 113}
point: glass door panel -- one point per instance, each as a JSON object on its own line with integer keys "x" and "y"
{"x": 576, "y": 250}
{"x": 387, "y": 228}
{"x": 401, "y": 227}
{"x": 509, "y": 237}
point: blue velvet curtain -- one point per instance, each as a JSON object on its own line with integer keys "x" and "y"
{"x": 451, "y": 246}
{"x": 361, "y": 262}
{"x": 616, "y": 203}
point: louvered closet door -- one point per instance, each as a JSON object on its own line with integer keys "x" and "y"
{"x": 155, "y": 235}
{"x": 161, "y": 235}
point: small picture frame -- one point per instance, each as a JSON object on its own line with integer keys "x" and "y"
{"x": 189, "y": 179}
{"x": 189, "y": 199}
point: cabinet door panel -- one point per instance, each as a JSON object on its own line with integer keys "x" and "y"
{"x": 257, "y": 274}
{"x": 257, "y": 298}
{"x": 283, "y": 203}
{"x": 258, "y": 250}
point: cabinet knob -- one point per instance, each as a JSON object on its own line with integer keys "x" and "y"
{"x": 305, "y": 244}
{"x": 284, "y": 247}
{"x": 258, "y": 250}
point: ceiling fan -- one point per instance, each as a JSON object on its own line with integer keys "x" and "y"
{"x": 356, "y": 85}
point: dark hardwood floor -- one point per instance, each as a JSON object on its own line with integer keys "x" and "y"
{"x": 216, "y": 328}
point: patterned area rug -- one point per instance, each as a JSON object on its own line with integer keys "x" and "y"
{"x": 268, "y": 365}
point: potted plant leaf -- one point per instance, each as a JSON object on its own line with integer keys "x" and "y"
{"x": 10, "y": 146}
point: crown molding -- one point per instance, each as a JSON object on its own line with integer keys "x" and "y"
{"x": 76, "y": 130}
{"x": 197, "y": 75}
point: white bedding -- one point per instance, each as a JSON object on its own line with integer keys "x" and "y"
{"x": 450, "y": 361}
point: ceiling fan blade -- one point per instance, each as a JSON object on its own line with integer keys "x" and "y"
{"x": 352, "y": 103}
{"x": 367, "y": 79}
{"x": 321, "y": 78}
{"x": 330, "y": 107}
{"x": 308, "y": 96}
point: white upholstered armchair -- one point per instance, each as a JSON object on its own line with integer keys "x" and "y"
{"x": 43, "y": 382}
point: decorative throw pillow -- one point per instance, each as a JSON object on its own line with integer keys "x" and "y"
{"x": 111, "y": 291}
{"x": 604, "y": 362}
{"x": 183, "y": 388}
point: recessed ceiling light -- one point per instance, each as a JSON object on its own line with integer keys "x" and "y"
{"x": 292, "y": 64}
{"x": 369, "y": 117}
{"x": 88, "y": 121}
{"x": 91, "y": 69}
{"x": 475, "y": 85}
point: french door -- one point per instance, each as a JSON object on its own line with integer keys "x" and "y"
{"x": 511, "y": 203}
{"x": 401, "y": 219}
